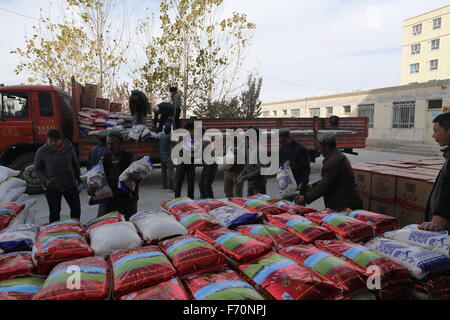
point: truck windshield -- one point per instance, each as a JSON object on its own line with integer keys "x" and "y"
{"x": 14, "y": 105}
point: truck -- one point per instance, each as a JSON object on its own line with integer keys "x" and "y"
{"x": 28, "y": 112}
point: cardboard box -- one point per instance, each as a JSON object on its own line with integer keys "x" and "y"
{"x": 384, "y": 186}
{"x": 366, "y": 202}
{"x": 413, "y": 192}
{"x": 363, "y": 180}
{"x": 407, "y": 216}
{"x": 102, "y": 103}
{"x": 382, "y": 208}
{"x": 115, "y": 107}
{"x": 88, "y": 102}
{"x": 90, "y": 90}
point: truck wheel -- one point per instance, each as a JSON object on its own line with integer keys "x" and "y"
{"x": 25, "y": 163}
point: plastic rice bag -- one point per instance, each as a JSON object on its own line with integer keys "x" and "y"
{"x": 197, "y": 220}
{"x": 169, "y": 290}
{"x": 93, "y": 274}
{"x": 20, "y": 288}
{"x": 283, "y": 279}
{"x": 231, "y": 217}
{"x": 136, "y": 132}
{"x": 193, "y": 256}
{"x": 271, "y": 234}
{"x": 181, "y": 205}
{"x": 8, "y": 185}
{"x": 422, "y": 263}
{"x": 13, "y": 194}
{"x": 16, "y": 265}
{"x": 236, "y": 245}
{"x": 138, "y": 269}
{"x": 226, "y": 285}
{"x": 112, "y": 217}
{"x": 17, "y": 238}
{"x": 434, "y": 241}
{"x": 292, "y": 208}
{"x": 98, "y": 186}
{"x": 22, "y": 217}
{"x": 302, "y": 227}
{"x": 142, "y": 168}
{"x": 380, "y": 222}
{"x": 154, "y": 227}
{"x": 343, "y": 274}
{"x": 211, "y": 204}
{"x": 286, "y": 181}
{"x": 114, "y": 236}
{"x": 8, "y": 212}
{"x": 6, "y": 173}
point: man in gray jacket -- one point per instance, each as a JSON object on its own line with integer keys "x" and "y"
{"x": 57, "y": 168}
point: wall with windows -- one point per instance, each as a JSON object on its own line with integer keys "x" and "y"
{"x": 396, "y": 115}
{"x": 426, "y": 47}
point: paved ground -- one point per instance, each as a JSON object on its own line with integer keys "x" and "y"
{"x": 152, "y": 195}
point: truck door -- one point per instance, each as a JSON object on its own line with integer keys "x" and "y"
{"x": 45, "y": 115}
{"x": 16, "y": 125}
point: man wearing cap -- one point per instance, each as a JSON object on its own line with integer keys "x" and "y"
{"x": 162, "y": 113}
{"x": 337, "y": 186}
{"x": 298, "y": 157}
{"x": 139, "y": 106}
{"x": 176, "y": 101}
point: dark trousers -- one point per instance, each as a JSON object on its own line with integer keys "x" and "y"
{"x": 128, "y": 208}
{"x": 206, "y": 180}
{"x": 167, "y": 171}
{"x": 255, "y": 189}
{"x": 161, "y": 122}
{"x": 231, "y": 185}
{"x": 183, "y": 170}
{"x": 54, "y": 198}
{"x": 177, "y": 121}
{"x": 139, "y": 117}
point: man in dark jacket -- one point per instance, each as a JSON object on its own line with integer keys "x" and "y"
{"x": 176, "y": 101}
{"x": 139, "y": 106}
{"x": 186, "y": 170}
{"x": 232, "y": 187}
{"x": 208, "y": 174}
{"x": 115, "y": 162}
{"x": 97, "y": 153}
{"x": 162, "y": 113}
{"x": 337, "y": 186}
{"x": 56, "y": 165}
{"x": 298, "y": 157}
{"x": 438, "y": 208}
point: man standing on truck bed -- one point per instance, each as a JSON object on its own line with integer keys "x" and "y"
{"x": 162, "y": 113}
{"x": 176, "y": 101}
{"x": 116, "y": 161}
{"x": 139, "y": 106}
{"x": 56, "y": 165}
{"x": 438, "y": 207}
{"x": 337, "y": 186}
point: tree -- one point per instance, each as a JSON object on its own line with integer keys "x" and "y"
{"x": 195, "y": 50}
{"x": 225, "y": 109}
{"x": 250, "y": 103}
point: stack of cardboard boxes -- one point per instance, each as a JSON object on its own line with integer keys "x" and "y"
{"x": 90, "y": 99}
{"x": 398, "y": 188}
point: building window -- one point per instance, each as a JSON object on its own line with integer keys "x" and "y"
{"x": 435, "y": 44}
{"x": 437, "y": 23}
{"x": 367, "y": 111}
{"x": 404, "y": 114}
{"x": 285, "y": 113}
{"x": 347, "y": 109}
{"x": 435, "y": 104}
{"x": 274, "y": 113}
{"x": 417, "y": 29}
{"x": 329, "y": 111}
{"x": 415, "y": 49}
{"x": 434, "y": 64}
{"x": 266, "y": 113}
{"x": 295, "y": 112}
{"x": 314, "y": 112}
{"x": 414, "y": 68}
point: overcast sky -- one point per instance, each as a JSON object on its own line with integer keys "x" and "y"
{"x": 301, "y": 48}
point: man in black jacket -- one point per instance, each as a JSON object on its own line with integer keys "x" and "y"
{"x": 298, "y": 157}
{"x": 337, "y": 186}
{"x": 438, "y": 208}
{"x": 176, "y": 101}
{"x": 162, "y": 113}
{"x": 115, "y": 162}
{"x": 56, "y": 165}
{"x": 139, "y": 106}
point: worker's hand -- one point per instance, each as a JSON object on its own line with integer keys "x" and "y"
{"x": 134, "y": 176}
{"x": 241, "y": 179}
{"x": 301, "y": 201}
{"x": 430, "y": 226}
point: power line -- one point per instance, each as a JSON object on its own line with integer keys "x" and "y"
{"x": 19, "y": 14}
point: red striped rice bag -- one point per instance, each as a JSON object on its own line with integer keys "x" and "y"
{"x": 225, "y": 285}
{"x": 317, "y": 217}
{"x": 346, "y": 227}
{"x": 211, "y": 204}
{"x": 437, "y": 288}
{"x": 181, "y": 205}
{"x": 59, "y": 242}
{"x": 8, "y": 212}
{"x": 291, "y": 207}
{"x": 281, "y": 278}
{"x": 273, "y": 235}
{"x": 362, "y": 258}
{"x": 192, "y": 256}
{"x": 258, "y": 204}
{"x": 237, "y": 246}
{"x": 16, "y": 265}
{"x": 137, "y": 269}
{"x": 197, "y": 220}
{"x": 20, "y": 288}
{"x": 343, "y": 274}
{"x": 112, "y": 217}
{"x": 380, "y": 222}
{"x": 82, "y": 279}
{"x": 302, "y": 227}
{"x": 168, "y": 290}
